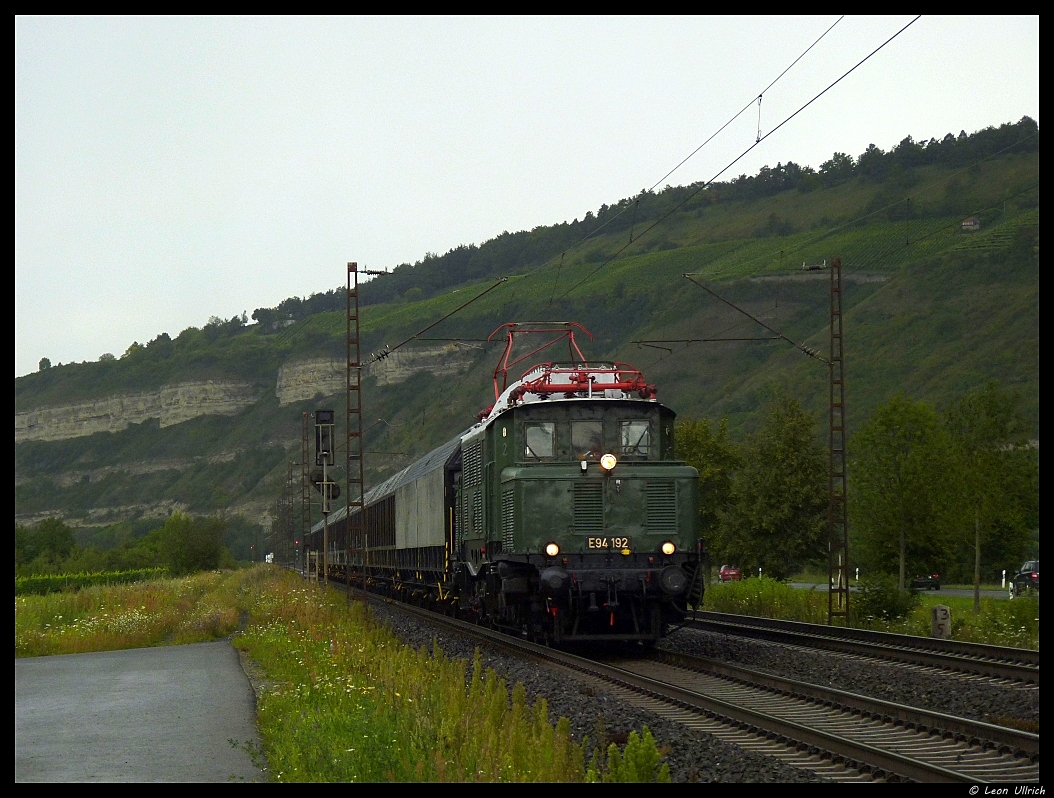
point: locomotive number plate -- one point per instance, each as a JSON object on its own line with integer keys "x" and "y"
{"x": 607, "y": 543}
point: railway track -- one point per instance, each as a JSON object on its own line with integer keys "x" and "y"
{"x": 1011, "y": 665}
{"x": 840, "y": 736}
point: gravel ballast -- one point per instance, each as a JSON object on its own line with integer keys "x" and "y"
{"x": 969, "y": 697}
{"x": 691, "y": 755}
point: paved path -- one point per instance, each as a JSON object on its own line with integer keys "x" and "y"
{"x": 144, "y": 714}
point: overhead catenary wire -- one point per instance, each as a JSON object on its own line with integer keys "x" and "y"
{"x": 801, "y": 347}
{"x": 389, "y": 349}
{"x": 754, "y": 98}
{"x": 739, "y": 157}
{"x": 805, "y": 349}
{"x": 791, "y": 248}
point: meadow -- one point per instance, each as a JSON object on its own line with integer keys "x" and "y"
{"x": 344, "y": 700}
{"x": 109, "y": 617}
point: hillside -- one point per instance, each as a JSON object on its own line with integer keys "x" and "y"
{"x": 208, "y": 420}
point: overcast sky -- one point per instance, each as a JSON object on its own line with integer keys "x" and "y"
{"x": 168, "y": 170}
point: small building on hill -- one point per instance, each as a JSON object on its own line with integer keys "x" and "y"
{"x": 972, "y": 224}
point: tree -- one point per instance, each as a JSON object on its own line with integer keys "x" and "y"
{"x": 25, "y": 545}
{"x": 998, "y": 473}
{"x": 43, "y": 546}
{"x": 192, "y": 544}
{"x": 900, "y": 480}
{"x": 55, "y": 537}
{"x": 44, "y": 364}
{"x": 778, "y": 515}
{"x": 711, "y": 453}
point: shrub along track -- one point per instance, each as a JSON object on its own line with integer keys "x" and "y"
{"x": 836, "y": 735}
{"x": 1010, "y": 665}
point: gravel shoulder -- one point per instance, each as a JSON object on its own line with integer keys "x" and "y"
{"x": 692, "y": 756}
{"x": 956, "y": 694}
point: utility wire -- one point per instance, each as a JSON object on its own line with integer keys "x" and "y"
{"x": 755, "y": 99}
{"x": 787, "y": 249}
{"x": 805, "y": 349}
{"x": 388, "y": 350}
{"x": 738, "y": 158}
{"x": 648, "y": 341}
{"x": 802, "y": 347}
{"x": 688, "y": 157}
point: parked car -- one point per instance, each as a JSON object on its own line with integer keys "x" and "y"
{"x": 931, "y": 582}
{"x": 1026, "y": 579}
{"x": 729, "y": 574}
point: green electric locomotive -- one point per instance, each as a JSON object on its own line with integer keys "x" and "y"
{"x": 562, "y": 514}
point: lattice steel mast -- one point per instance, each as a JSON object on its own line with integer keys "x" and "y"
{"x": 305, "y": 483}
{"x": 837, "y": 512}
{"x": 355, "y": 489}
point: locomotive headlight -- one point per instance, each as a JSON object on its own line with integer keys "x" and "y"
{"x": 668, "y": 548}
{"x": 551, "y": 549}
{"x": 607, "y": 462}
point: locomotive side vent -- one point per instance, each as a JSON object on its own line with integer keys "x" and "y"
{"x": 472, "y": 480}
{"x": 661, "y": 508}
{"x": 508, "y": 520}
{"x": 589, "y": 507}
{"x": 472, "y": 465}
{"x": 477, "y": 513}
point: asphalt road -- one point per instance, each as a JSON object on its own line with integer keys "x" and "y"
{"x": 141, "y": 715}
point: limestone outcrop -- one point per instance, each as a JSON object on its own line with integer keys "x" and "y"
{"x": 297, "y": 381}
{"x": 304, "y": 379}
{"x": 171, "y": 404}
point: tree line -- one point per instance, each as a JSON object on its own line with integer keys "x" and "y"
{"x": 512, "y": 253}
{"x": 183, "y": 544}
{"x": 953, "y": 492}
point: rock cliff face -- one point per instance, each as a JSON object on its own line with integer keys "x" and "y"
{"x": 172, "y": 404}
{"x": 305, "y": 379}
{"x": 297, "y": 381}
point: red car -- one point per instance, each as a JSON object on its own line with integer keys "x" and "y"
{"x": 728, "y": 574}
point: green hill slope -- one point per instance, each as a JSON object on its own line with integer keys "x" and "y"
{"x": 931, "y": 310}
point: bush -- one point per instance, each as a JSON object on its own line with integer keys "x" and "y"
{"x": 641, "y": 761}
{"x": 193, "y": 544}
{"x": 880, "y": 598}
{"x": 766, "y": 598}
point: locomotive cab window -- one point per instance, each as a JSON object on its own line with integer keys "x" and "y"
{"x": 539, "y": 440}
{"x": 587, "y": 439}
{"x": 635, "y": 438}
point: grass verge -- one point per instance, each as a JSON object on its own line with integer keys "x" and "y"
{"x": 353, "y": 703}
{"x": 1000, "y": 622}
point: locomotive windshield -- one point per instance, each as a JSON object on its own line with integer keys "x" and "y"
{"x": 539, "y": 440}
{"x": 635, "y": 438}
{"x": 587, "y": 439}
